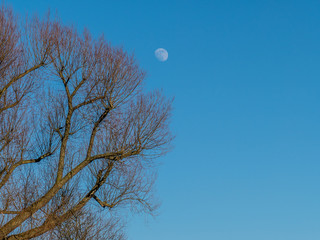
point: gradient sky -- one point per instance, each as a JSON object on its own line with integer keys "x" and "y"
{"x": 246, "y": 81}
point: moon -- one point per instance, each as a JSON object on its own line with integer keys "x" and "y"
{"x": 161, "y": 54}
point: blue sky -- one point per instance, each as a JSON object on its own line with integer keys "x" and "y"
{"x": 246, "y": 81}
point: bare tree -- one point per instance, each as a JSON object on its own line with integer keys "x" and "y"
{"x": 76, "y": 133}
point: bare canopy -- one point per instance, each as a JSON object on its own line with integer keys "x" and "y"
{"x": 77, "y": 133}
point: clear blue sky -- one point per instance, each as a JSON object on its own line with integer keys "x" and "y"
{"x": 246, "y": 81}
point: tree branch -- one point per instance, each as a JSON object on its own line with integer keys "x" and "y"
{"x": 14, "y": 166}
{"x": 14, "y": 79}
{"x": 9, "y": 212}
{"x": 53, "y": 220}
{"x": 103, "y": 204}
